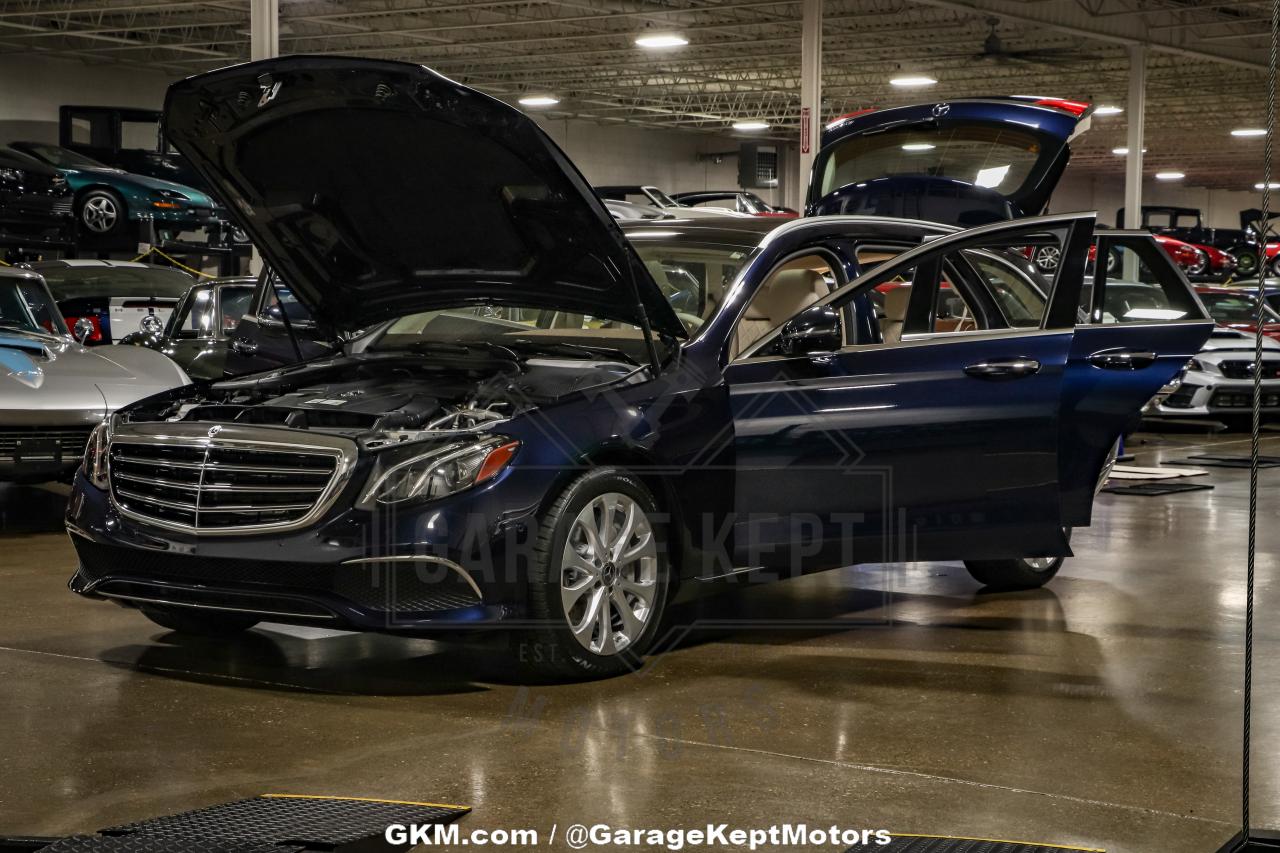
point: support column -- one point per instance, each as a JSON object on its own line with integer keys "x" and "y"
{"x": 264, "y": 29}
{"x": 264, "y": 43}
{"x": 810, "y": 93}
{"x": 1136, "y": 110}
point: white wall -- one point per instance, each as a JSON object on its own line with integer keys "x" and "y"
{"x": 32, "y": 89}
{"x": 1105, "y": 194}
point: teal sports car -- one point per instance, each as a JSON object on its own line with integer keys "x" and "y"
{"x": 112, "y": 204}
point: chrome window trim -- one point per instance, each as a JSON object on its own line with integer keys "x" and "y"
{"x": 919, "y": 339}
{"x": 237, "y": 437}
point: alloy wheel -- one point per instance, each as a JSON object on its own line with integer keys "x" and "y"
{"x": 609, "y": 574}
{"x": 99, "y": 214}
{"x": 1047, "y": 258}
{"x": 1040, "y": 564}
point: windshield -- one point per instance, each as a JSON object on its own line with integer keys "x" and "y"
{"x": 692, "y": 276}
{"x": 998, "y": 157}
{"x": 25, "y": 305}
{"x": 105, "y": 282}
{"x": 62, "y": 158}
{"x": 1236, "y": 308}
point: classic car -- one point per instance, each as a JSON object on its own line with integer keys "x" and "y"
{"x": 739, "y": 201}
{"x": 111, "y": 203}
{"x": 115, "y": 297}
{"x": 35, "y": 205}
{"x": 1237, "y": 308}
{"x": 652, "y": 197}
{"x": 533, "y": 434}
{"x": 53, "y": 391}
{"x": 1187, "y": 224}
{"x": 198, "y": 333}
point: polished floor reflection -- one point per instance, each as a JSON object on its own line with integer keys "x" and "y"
{"x": 1102, "y": 711}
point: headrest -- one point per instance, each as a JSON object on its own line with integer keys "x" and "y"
{"x": 895, "y": 303}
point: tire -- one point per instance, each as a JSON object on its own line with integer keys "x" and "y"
{"x": 1275, "y": 266}
{"x": 571, "y": 585}
{"x": 1025, "y": 573}
{"x": 1047, "y": 259}
{"x": 102, "y": 214}
{"x": 1201, "y": 266}
{"x": 1114, "y": 261}
{"x": 200, "y": 623}
{"x": 1246, "y": 262}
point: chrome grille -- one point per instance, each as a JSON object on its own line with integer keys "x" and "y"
{"x": 1240, "y": 369}
{"x": 214, "y": 485}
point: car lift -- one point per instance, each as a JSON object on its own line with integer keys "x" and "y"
{"x": 271, "y": 823}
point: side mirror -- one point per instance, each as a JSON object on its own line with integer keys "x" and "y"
{"x": 82, "y": 330}
{"x": 815, "y": 329}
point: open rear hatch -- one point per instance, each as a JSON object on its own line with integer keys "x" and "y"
{"x": 964, "y": 162}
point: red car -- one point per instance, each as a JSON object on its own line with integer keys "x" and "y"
{"x": 1238, "y": 309}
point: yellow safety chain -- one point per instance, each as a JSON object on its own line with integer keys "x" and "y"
{"x": 154, "y": 251}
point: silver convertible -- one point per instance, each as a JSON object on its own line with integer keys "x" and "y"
{"x": 53, "y": 391}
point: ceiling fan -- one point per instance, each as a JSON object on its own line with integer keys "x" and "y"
{"x": 994, "y": 50}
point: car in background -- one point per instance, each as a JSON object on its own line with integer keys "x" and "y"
{"x": 115, "y": 298}
{"x": 1237, "y": 308}
{"x": 35, "y": 205}
{"x": 1218, "y": 382}
{"x": 129, "y": 138}
{"x": 629, "y": 210}
{"x": 654, "y": 198}
{"x": 112, "y": 205}
{"x": 53, "y": 391}
{"x": 197, "y": 334}
{"x": 739, "y": 201}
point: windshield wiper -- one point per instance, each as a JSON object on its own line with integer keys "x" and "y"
{"x": 463, "y": 348}
{"x": 566, "y": 348}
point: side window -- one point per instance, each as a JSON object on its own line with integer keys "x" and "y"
{"x": 1134, "y": 281}
{"x": 793, "y": 286}
{"x": 1159, "y": 219}
{"x": 271, "y": 311}
{"x": 1019, "y": 291}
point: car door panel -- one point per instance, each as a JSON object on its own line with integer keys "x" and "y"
{"x": 896, "y": 453}
{"x": 941, "y": 446}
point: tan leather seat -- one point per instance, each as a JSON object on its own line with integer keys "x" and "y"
{"x": 784, "y": 295}
{"x": 895, "y": 314}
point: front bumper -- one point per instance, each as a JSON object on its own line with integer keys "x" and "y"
{"x": 334, "y": 573}
{"x": 1200, "y": 394}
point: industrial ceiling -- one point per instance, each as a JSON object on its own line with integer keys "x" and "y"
{"x": 1206, "y": 60}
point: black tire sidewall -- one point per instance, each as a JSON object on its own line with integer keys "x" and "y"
{"x": 550, "y": 646}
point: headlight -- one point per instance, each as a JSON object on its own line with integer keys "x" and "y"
{"x": 10, "y": 174}
{"x": 441, "y": 472}
{"x": 94, "y": 466}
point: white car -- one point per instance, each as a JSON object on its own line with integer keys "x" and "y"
{"x": 1218, "y": 382}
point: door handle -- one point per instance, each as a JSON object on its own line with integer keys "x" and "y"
{"x": 1123, "y": 359}
{"x": 1004, "y": 368}
{"x": 244, "y": 346}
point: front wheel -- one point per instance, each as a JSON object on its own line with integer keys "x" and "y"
{"x": 103, "y": 213}
{"x": 599, "y": 584}
{"x": 1025, "y": 573}
{"x": 199, "y": 623}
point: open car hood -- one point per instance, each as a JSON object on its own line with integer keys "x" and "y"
{"x": 963, "y": 162}
{"x": 379, "y": 189}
